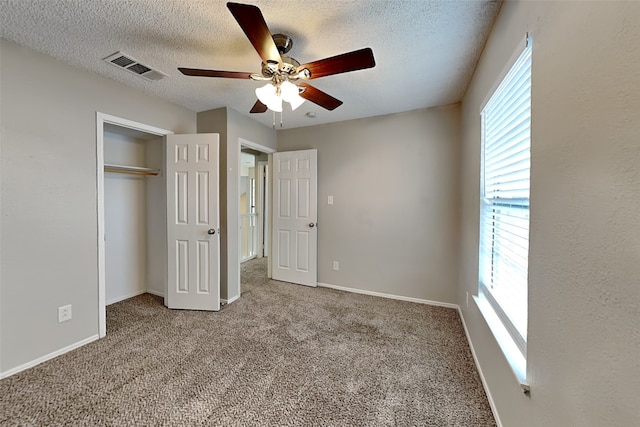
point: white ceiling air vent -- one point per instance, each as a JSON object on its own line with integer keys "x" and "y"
{"x": 124, "y": 61}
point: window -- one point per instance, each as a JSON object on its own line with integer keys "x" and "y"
{"x": 504, "y": 205}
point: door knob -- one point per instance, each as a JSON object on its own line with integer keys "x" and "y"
{"x": 312, "y": 225}
{"x": 211, "y": 231}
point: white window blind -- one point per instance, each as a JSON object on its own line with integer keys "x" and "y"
{"x": 504, "y": 213}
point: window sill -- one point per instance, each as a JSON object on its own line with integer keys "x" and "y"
{"x": 515, "y": 359}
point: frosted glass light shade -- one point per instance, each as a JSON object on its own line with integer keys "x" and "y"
{"x": 288, "y": 90}
{"x": 268, "y": 95}
{"x": 275, "y": 104}
{"x": 291, "y": 94}
{"x": 296, "y": 101}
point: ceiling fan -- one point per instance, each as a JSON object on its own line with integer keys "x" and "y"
{"x": 285, "y": 75}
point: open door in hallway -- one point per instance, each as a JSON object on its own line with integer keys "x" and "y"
{"x": 295, "y": 206}
{"x": 193, "y": 222}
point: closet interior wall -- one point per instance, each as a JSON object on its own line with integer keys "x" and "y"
{"x": 135, "y": 215}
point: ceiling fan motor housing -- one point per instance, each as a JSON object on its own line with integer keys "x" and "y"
{"x": 290, "y": 65}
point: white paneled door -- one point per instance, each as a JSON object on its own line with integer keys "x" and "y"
{"x": 295, "y": 216}
{"x": 193, "y": 234}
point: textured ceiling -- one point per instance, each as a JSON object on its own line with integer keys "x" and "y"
{"x": 425, "y": 51}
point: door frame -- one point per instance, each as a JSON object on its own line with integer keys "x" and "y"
{"x": 263, "y": 201}
{"x": 101, "y": 120}
{"x": 257, "y": 212}
{"x": 234, "y": 253}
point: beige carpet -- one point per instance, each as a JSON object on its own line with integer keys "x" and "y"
{"x": 282, "y": 355}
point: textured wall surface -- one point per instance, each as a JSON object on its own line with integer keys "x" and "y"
{"x": 394, "y": 180}
{"x": 584, "y": 265}
{"x": 49, "y": 201}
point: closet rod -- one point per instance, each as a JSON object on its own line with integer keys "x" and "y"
{"x": 133, "y": 170}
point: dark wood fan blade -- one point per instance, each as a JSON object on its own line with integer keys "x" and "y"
{"x": 317, "y": 96}
{"x": 258, "y": 107}
{"x": 214, "y": 73}
{"x": 356, "y": 60}
{"x": 252, "y": 23}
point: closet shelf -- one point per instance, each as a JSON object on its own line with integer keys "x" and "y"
{"x": 134, "y": 170}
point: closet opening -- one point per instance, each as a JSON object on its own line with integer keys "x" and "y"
{"x": 134, "y": 213}
{"x": 132, "y": 232}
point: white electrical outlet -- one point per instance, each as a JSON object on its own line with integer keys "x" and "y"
{"x": 64, "y": 313}
{"x": 336, "y": 265}
{"x": 330, "y": 200}
{"x": 467, "y": 299}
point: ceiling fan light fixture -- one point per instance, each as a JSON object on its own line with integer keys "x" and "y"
{"x": 272, "y": 96}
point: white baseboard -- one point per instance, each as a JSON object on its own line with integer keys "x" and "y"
{"x": 157, "y": 293}
{"x": 135, "y": 294}
{"x": 229, "y": 301}
{"x": 49, "y": 356}
{"x": 492, "y": 404}
{"x": 390, "y": 296}
{"x": 127, "y": 296}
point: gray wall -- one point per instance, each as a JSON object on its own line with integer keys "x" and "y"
{"x": 232, "y": 126}
{"x": 584, "y": 265}
{"x": 215, "y": 121}
{"x": 48, "y": 249}
{"x": 394, "y": 180}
